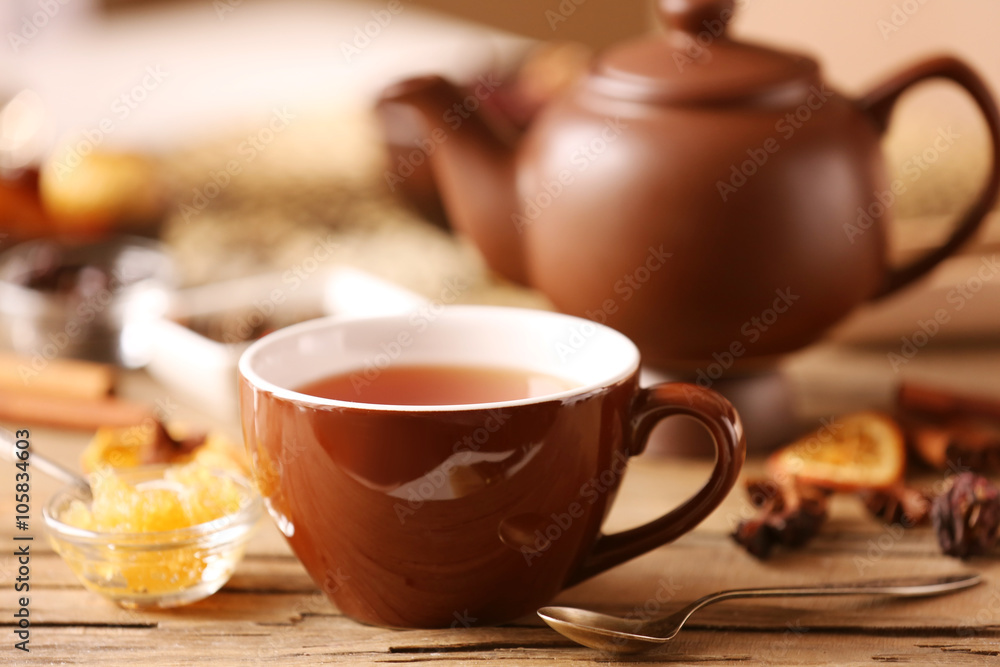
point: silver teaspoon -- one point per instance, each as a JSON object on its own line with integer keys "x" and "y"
{"x": 625, "y": 635}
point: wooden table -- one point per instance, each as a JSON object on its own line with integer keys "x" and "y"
{"x": 271, "y": 613}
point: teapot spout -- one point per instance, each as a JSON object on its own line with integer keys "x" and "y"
{"x": 472, "y": 165}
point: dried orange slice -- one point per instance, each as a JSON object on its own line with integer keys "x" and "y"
{"x": 864, "y": 450}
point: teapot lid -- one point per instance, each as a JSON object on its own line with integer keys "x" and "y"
{"x": 696, "y": 61}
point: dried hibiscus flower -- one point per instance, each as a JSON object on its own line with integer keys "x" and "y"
{"x": 967, "y": 516}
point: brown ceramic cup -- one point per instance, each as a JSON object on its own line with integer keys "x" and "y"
{"x": 437, "y": 516}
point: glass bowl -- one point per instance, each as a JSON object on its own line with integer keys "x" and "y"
{"x": 159, "y": 569}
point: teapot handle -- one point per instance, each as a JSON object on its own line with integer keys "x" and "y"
{"x": 879, "y": 103}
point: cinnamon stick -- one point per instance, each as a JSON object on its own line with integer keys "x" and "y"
{"x": 18, "y": 407}
{"x": 55, "y": 377}
{"x": 934, "y": 404}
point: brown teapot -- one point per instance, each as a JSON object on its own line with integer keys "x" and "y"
{"x": 711, "y": 198}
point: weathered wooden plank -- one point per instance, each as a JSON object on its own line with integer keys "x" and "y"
{"x": 255, "y": 573}
{"x": 977, "y": 610}
{"x": 277, "y": 590}
{"x": 320, "y": 640}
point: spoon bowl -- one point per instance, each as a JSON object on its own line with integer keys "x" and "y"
{"x": 614, "y": 634}
{"x": 603, "y": 632}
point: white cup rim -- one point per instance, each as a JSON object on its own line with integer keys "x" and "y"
{"x": 616, "y": 341}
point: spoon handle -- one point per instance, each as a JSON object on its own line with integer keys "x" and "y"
{"x": 901, "y": 587}
{"x": 8, "y": 451}
{"x": 904, "y": 586}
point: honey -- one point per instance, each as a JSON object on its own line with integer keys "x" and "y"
{"x": 185, "y": 497}
{"x": 161, "y": 558}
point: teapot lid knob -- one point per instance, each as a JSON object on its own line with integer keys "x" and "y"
{"x": 695, "y": 61}
{"x": 694, "y": 16}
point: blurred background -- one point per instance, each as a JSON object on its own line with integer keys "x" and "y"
{"x": 239, "y": 133}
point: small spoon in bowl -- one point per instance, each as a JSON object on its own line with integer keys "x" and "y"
{"x": 614, "y": 634}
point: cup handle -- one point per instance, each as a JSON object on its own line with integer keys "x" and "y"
{"x": 648, "y": 408}
{"x": 879, "y": 103}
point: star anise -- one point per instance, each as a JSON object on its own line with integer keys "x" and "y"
{"x": 900, "y": 504}
{"x": 788, "y": 515}
{"x": 165, "y": 447}
{"x": 967, "y": 516}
